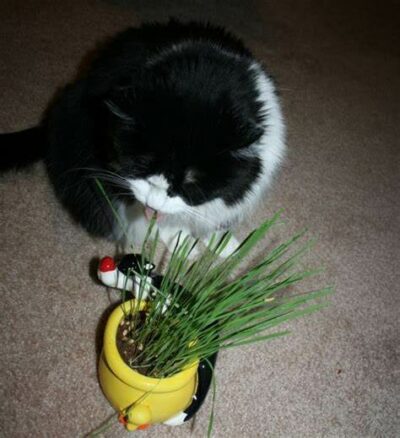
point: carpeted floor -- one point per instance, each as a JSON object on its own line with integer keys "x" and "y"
{"x": 338, "y": 374}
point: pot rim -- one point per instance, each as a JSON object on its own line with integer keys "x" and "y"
{"x": 131, "y": 377}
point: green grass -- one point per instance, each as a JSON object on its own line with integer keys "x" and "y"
{"x": 209, "y": 309}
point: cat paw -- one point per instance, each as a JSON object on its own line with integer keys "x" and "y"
{"x": 173, "y": 238}
{"x": 230, "y": 247}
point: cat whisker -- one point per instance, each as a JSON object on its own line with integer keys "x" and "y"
{"x": 114, "y": 179}
{"x": 190, "y": 211}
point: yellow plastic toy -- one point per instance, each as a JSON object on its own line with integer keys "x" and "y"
{"x": 142, "y": 400}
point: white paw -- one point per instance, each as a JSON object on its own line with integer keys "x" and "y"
{"x": 172, "y": 237}
{"x": 230, "y": 247}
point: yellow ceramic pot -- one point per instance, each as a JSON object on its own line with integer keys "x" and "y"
{"x": 141, "y": 400}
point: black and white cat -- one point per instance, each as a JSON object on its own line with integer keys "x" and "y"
{"x": 177, "y": 118}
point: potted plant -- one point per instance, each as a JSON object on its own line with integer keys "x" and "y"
{"x": 160, "y": 343}
{"x": 141, "y": 400}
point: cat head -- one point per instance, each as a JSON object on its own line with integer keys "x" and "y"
{"x": 185, "y": 133}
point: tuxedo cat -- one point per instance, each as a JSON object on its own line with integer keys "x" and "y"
{"x": 177, "y": 118}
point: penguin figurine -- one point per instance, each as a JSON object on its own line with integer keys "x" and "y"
{"x": 121, "y": 275}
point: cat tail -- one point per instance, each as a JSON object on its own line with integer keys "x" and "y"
{"x": 22, "y": 148}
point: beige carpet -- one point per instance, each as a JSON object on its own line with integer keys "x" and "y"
{"x": 338, "y": 374}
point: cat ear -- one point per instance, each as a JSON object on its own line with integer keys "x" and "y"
{"x": 118, "y": 112}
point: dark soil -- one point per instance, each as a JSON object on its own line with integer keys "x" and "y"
{"x": 127, "y": 347}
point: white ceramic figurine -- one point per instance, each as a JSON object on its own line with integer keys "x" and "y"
{"x": 118, "y": 275}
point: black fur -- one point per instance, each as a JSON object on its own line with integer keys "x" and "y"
{"x": 22, "y": 148}
{"x": 144, "y": 108}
